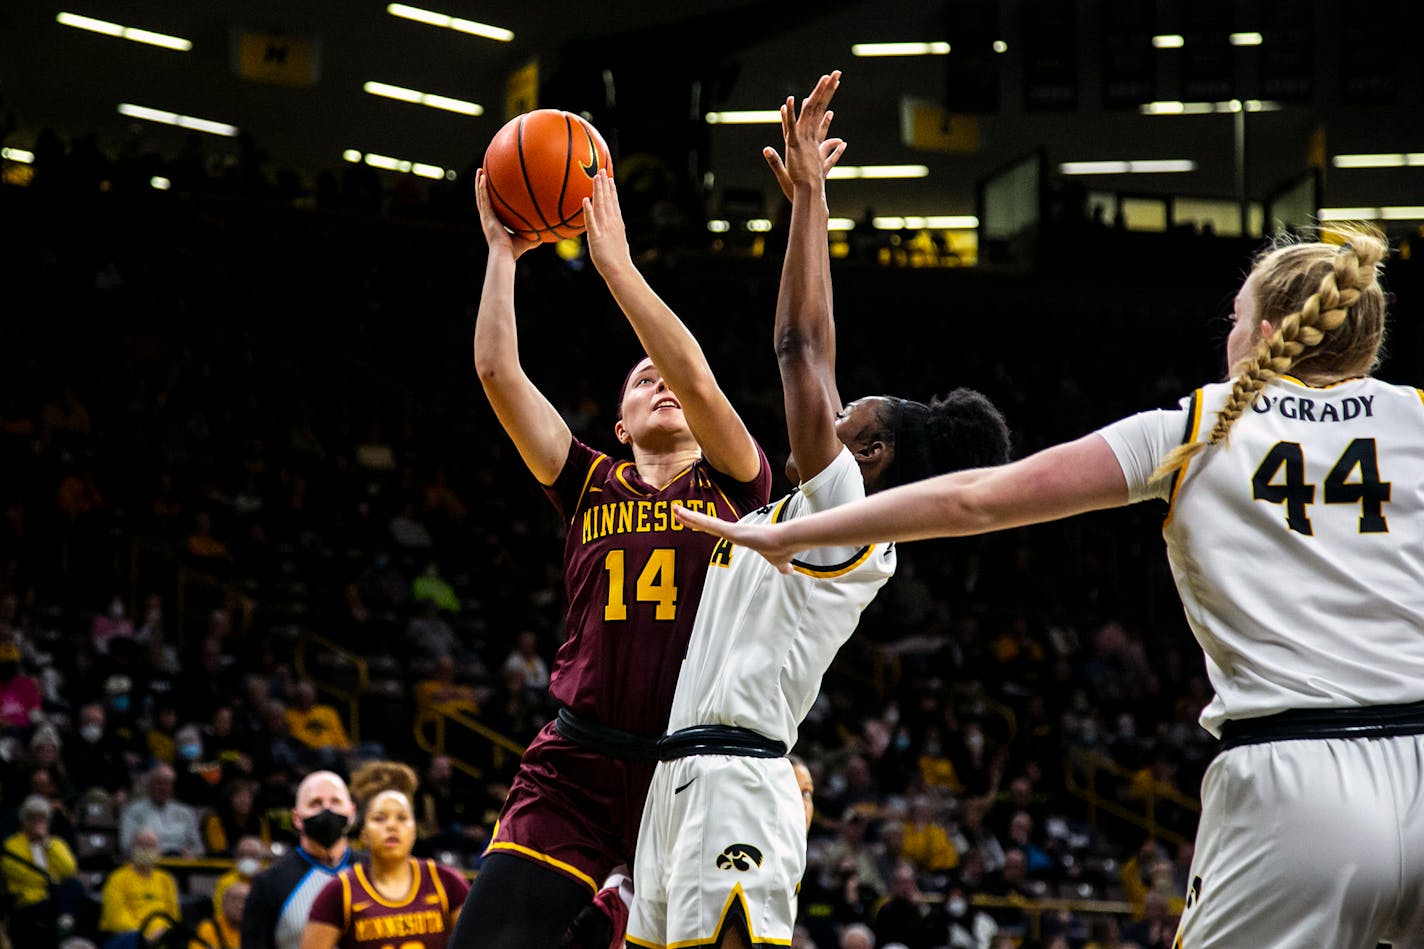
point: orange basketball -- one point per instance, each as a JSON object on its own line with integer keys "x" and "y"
{"x": 540, "y": 167}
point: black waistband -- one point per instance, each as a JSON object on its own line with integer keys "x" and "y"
{"x": 1369, "y": 721}
{"x": 612, "y": 742}
{"x": 718, "y": 740}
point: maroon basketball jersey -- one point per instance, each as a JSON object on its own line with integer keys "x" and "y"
{"x": 633, "y": 577}
{"x": 367, "y": 920}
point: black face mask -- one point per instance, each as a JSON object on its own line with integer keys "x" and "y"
{"x": 8, "y": 670}
{"x": 324, "y": 828}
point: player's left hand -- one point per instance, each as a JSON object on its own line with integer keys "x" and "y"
{"x": 763, "y": 538}
{"x": 810, "y": 155}
{"x": 607, "y": 237}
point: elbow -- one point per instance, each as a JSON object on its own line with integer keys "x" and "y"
{"x": 794, "y": 347}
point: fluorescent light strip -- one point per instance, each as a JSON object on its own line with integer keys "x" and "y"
{"x": 719, "y": 226}
{"x": 173, "y": 118}
{"x": 1148, "y": 166}
{"x": 1245, "y": 39}
{"x": 1173, "y": 107}
{"x": 1168, "y": 41}
{"x": 159, "y": 183}
{"x": 934, "y": 222}
{"x": 1388, "y": 213}
{"x": 1378, "y": 161}
{"x": 1000, "y": 46}
{"x": 424, "y": 98}
{"x": 745, "y": 117}
{"x": 840, "y": 224}
{"x": 387, "y": 163}
{"x": 900, "y": 49}
{"x": 759, "y": 225}
{"x": 450, "y": 22}
{"x": 879, "y": 171}
{"x": 21, "y": 155}
{"x": 124, "y": 32}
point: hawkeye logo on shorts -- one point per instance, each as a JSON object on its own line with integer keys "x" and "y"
{"x": 739, "y": 857}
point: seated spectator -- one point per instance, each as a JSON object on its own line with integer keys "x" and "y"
{"x": 44, "y": 785}
{"x": 203, "y": 547}
{"x": 161, "y": 739}
{"x": 19, "y": 694}
{"x": 235, "y": 818}
{"x": 442, "y": 693}
{"x": 527, "y": 660}
{"x": 858, "y": 936}
{"x": 315, "y": 724}
{"x": 969, "y": 928}
{"x": 927, "y": 844}
{"x": 175, "y": 825}
{"x": 1158, "y": 925}
{"x": 1039, "y": 863}
{"x": 96, "y": 759}
{"x": 429, "y": 637}
{"x": 199, "y": 774}
{"x": 249, "y": 856}
{"x": 431, "y": 586}
{"x": 110, "y": 625}
{"x": 852, "y": 846}
{"x": 223, "y": 930}
{"x": 903, "y": 917}
{"x": 138, "y": 889}
{"x": 43, "y": 886}
{"x": 225, "y": 745}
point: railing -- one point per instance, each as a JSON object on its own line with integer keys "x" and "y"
{"x": 432, "y": 729}
{"x": 1091, "y": 763}
{"x": 1034, "y": 909}
{"x": 186, "y": 581}
{"x": 360, "y": 670}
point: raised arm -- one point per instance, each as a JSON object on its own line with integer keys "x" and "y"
{"x": 719, "y": 430}
{"x": 1058, "y": 482}
{"x": 535, "y": 426}
{"x": 805, "y": 333}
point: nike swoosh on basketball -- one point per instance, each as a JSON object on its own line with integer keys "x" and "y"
{"x": 683, "y": 788}
{"x": 591, "y": 169}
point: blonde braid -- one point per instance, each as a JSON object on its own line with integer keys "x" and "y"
{"x": 1351, "y": 271}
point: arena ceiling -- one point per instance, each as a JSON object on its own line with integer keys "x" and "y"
{"x": 647, "y": 70}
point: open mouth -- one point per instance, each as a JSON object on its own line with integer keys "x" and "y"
{"x": 665, "y": 404}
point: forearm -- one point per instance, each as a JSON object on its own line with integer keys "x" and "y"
{"x": 803, "y": 306}
{"x": 665, "y": 338}
{"x": 496, "y": 341}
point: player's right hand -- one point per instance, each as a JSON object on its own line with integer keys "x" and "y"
{"x": 810, "y": 155}
{"x": 496, "y": 234}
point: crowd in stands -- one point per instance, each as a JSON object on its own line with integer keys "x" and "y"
{"x": 242, "y": 450}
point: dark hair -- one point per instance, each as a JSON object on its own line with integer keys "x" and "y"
{"x": 962, "y": 430}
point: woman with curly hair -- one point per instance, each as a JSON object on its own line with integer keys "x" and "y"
{"x": 389, "y": 897}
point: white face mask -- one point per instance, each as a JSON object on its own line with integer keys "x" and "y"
{"x": 91, "y": 733}
{"x": 248, "y": 866}
{"x": 957, "y": 906}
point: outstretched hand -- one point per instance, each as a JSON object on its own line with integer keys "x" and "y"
{"x": 603, "y": 218}
{"x": 496, "y": 234}
{"x": 763, "y": 538}
{"x": 810, "y": 155}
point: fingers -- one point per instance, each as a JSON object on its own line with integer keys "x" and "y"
{"x": 778, "y": 168}
{"x": 829, "y": 160}
{"x": 788, "y": 116}
{"x": 701, "y": 522}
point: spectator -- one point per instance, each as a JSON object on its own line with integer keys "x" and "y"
{"x": 282, "y": 894}
{"x": 137, "y": 890}
{"x": 249, "y": 855}
{"x": 19, "y": 694}
{"x": 223, "y": 930}
{"x": 429, "y": 636}
{"x": 161, "y": 739}
{"x": 431, "y": 586}
{"x": 96, "y": 759}
{"x": 441, "y": 692}
{"x": 44, "y": 784}
{"x": 1158, "y": 925}
{"x": 235, "y": 818}
{"x": 174, "y": 823}
{"x": 316, "y": 724}
{"x": 527, "y": 660}
{"x": 903, "y": 917}
{"x": 858, "y": 936}
{"x": 969, "y": 928}
{"x": 225, "y": 745}
{"x": 926, "y": 842}
{"x": 111, "y": 625}
{"x": 199, "y": 774}
{"x": 42, "y": 882}
{"x": 851, "y": 845}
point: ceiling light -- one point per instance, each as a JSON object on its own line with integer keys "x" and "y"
{"x": 1000, "y": 46}
{"x": 1378, "y": 161}
{"x": 124, "y": 32}
{"x": 899, "y": 49}
{"x": 424, "y": 98}
{"x": 840, "y": 224}
{"x": 719, "y": 226}
{"x": 1389, "y": 213}
{"x": 173, "y": 118}
{"x": 745, "y": 117}
{"x": 1245, "y": 39}
{"x": 879, "y": 171}
{"x": 759, "y": 225}
{"x": 934, "y": 222}
{"x": 1148, "y": 166}
{"x": 23, "y": 156}
{"x": 1168, "y": 41}
{"x": 387, "y": 163}
{"x": 1173, "y": 107}
{"x": 159, "y": 183}
{"x": 450, "y": 22}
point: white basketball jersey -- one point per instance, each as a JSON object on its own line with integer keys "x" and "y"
{"x": 762, "y": 640}
{"x": 1297, "y": 545}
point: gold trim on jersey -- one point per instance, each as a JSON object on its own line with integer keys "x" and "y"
{"x": 618, "y": 473}
{"x": 776, "y": 514}
{"x": 1191, "y": 436}
{"x": 1420, "y": 393}
{"x": 345, "y": 899}
{"x": 834, "y": 570}
{"x": 735, "y": 895}
{"x": 1329, "y": 385}
{"x": 375, "y": 894}
{"x": 535, "y": 855}
{"x": 439, "y": 887}
{"x": 588, "y": 478}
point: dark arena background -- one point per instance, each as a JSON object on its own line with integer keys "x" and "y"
{"x": 258, "y": 517}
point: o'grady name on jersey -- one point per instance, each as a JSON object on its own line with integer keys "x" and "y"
{"x": 1309, "y": 410}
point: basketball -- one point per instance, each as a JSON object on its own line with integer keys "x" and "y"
{"x": 540, "y": 167}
